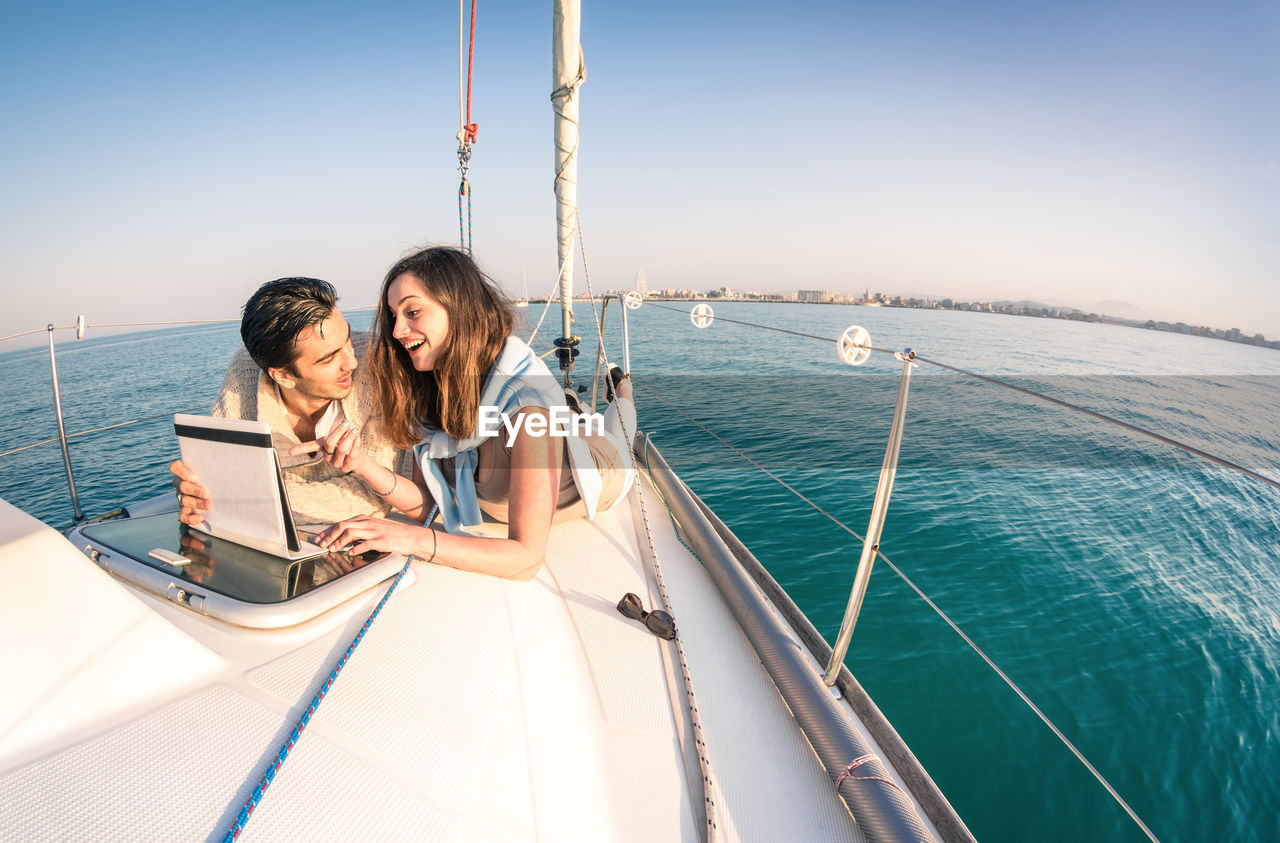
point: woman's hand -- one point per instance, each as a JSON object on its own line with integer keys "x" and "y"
{"x": 192, "y": 497}
{"x": 364, "y": 532}
{"x": 341, "y": 449}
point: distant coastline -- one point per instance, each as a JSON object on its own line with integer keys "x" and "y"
{"x": 1018, "y": 308}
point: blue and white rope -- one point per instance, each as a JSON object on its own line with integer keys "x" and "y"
{"x": 464, "y": 237}
{"x": 254, "y": 798}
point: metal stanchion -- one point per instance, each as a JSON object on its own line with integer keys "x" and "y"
{"x": 62, "y": 431}
{"x": 871, "y": 545}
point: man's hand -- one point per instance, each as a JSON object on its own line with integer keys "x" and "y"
{"x": 192, "y": 497}
{"x": 341, "y": 449}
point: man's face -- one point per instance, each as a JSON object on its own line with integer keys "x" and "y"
{"x": 325, "y": 361}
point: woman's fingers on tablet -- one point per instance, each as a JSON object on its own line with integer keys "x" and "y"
{"x": 334, "y": 537}
{"x": 355, "y": 535}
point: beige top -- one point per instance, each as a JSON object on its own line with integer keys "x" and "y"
{"x": 318, "y": 493}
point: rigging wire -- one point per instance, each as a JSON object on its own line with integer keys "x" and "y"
{"x": 935, "y": 607}
{"x": 551, "y": 297}
{"x": 1190, "y": 449}
{"x": 468, "y": 131}
{"x": 469, "y": 128}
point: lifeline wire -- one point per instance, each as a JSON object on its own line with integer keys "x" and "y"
{"x": 121, "y": 325}
{"x": 938, "y": 610}
{"x": 247, "y": 811}
{"x": 1134, "y": 428}
{"x": 1066, "y": 404}
{"x": 35, "y": 331}
{"x": 763, "y": 327}
{"x": 97, "y": 430}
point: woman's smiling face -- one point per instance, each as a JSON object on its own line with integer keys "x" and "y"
{"x": 419, "y": 322}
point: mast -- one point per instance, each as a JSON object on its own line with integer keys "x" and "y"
{"x": 567, "y": 75}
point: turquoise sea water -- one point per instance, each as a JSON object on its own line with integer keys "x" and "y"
{"x": 1131, "y": 590}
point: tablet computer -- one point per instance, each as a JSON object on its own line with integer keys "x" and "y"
{"x": 235, "y": 460}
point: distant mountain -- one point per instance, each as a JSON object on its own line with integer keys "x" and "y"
{"x": 1119, "y": 309}
{"x": 1032, "y": 304}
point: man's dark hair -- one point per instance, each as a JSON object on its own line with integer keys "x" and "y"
{"x": 278, "y": 312}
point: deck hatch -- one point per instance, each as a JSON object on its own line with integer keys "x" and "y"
{"x": 230, "y": 581}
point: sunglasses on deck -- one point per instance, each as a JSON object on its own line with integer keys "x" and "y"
{"x": 658, "y": 622}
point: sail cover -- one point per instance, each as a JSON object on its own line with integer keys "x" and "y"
{"x": 568, "y": 73}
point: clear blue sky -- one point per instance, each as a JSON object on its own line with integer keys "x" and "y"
{"x": 159, "y": 161}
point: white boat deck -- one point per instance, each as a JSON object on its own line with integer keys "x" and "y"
{"x": 474, "y": 708}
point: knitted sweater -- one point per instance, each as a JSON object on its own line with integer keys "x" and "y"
{"x": 318, "y": 494}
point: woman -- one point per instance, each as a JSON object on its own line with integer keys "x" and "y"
{"x": 443, "y": 359}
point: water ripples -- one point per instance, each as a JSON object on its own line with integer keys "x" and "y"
{"x": 1131, "y": 590}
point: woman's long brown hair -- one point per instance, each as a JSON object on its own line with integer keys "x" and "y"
{"x": 448, "y": 397}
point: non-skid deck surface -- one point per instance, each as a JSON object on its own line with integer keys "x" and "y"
{"x": 474, "y": 709}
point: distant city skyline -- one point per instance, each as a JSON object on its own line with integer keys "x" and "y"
{"x": 162, "y": 162}
{"x": 1018, "y": 307}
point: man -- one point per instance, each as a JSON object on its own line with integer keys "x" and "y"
{"x": 299, "y": 372}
